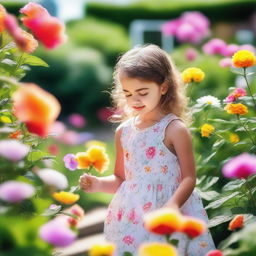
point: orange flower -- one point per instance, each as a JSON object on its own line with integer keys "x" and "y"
{"x": 2, "y": 18}
{"x": 35, "y": 107}
{"x": 153, "y": 249}
{"x": 65, "y": 197}
{"x": 236, "y": 222}
{"x": 163, "y": 221}
{"x": 243, "y": 59}
{"x": 83, "y": 160}
{"x": 236, "y": 108}
{"x": 15, "y": 135}
{"x": 46, "y": 28}
{"x": 193, "y": 227}
{"x": 26, "y": 42}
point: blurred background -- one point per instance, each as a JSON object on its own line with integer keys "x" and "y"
{"x": 80, "y": 72}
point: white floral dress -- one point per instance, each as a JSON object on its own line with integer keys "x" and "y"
{"x": 152, "y": 174}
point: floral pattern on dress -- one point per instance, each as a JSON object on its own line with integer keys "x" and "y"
{"x": 152, "y": 175}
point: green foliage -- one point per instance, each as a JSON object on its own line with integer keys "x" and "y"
{"x": 164, "y": 9}
{"x": 109, "y": 38}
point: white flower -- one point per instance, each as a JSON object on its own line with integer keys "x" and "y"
{"x": 53, "y": 178}
{"x": 210, "y": 100}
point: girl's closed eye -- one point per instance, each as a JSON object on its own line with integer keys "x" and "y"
{"x": 143, "y": 94}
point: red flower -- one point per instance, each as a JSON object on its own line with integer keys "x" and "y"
{"x": 150, "y": 153}
{"x": 46, "y": 28}
{"x": 214, "y": 253}
{"x": 236, "y": 222}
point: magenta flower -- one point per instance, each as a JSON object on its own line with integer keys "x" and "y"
{"x": 170, "y": 28}
{"x": 241, "y": 166}
{"x": 150, "y": 153}
{"x": 214, "y": 46}
{"x": 238, "y": 92}
{"x": 13, "y": 150}
{"x": 57, "y": 233}
{"x": 70, "y": 162}
{"x": 15, "y": 191}
{"x": 104, "y": 114}
{"x": 77, "y": 120}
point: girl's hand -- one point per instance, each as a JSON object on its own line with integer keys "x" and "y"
{"x": 89, "y": 183}
{"x": 172, "y": 205}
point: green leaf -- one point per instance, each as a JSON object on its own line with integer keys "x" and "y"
{"x": 36, "y": 155}
{"x": 127, "y": 254}
{"x": 236, "y": 71}
{"x": 222, "y": 200}
{"x": 219, "y": 220}
{"x": 233, "y": 185}
{"x": 33, "y": 61}
{"x": 218, "y": 144}
{"x": 208, "y": 195}
{"x": 206, "y": 160}
{"x": 51, "y": 212}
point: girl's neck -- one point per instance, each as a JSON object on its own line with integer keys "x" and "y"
{"x": 152, "y": 117}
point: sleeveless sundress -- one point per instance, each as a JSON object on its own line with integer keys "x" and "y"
{"x": 152, "y": 174}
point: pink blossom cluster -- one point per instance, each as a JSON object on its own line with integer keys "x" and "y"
{"x": 191, "y": 27}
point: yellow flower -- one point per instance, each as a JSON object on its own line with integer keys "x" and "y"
{"x": 91, "y": 143}
{"x": 83, "y": 160}
{"x": 234, "y": 138}
{"x": 5, "y": 119}
{"x": 95, "y": 156}
{"x": 106, "y": 249}
{"x": 206, "y": 130}
{"x": 153, "y": 249}
{"x": 243, "y": 59}
{"x": 65, "y": 197}
{"x": 98, "y": 158}
{"x": 163, "y": 221}
{"x": 236, "y": 108}
{"x": 192, "y": 74}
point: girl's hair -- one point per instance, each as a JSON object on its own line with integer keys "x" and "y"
{"x": 150, "y": 63}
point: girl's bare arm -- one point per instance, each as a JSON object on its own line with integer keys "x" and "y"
{"x": 181, "y": 140}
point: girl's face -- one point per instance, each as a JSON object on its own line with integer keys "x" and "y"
{"x": 142, "y": 96}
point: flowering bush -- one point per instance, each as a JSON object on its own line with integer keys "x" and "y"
{"x": 27, "y": 113}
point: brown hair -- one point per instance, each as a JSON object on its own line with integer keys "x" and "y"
{"x": 150, "y": 63}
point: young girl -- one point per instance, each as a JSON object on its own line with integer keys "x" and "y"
{"x": 154, "y": 158}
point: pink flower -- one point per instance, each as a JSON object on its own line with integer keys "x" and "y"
{"x": 247, "y": 47}
{"x": 77, "y": 120}
{"x": 57, "y": 129}
{"x": 147, "y": 206}
{"x": 229, "y": 50}
{"x": 191, "y": 54}
{"x": 159, "y": 187}
{"x": 149, "y": 187}
{"x": 13, "y": 150}
{"x": 120, "y": 214}
{"x": 170, "y": 28}
{"x": 191, "y": 27}
{"x": 57, "y": 233}
{"x": 150, "y": 153}
{"x": 46, "y": 28}
{"x": 225, "y": 62}
{"x": 214, "y": 46}
{"x": 128, "y": 240}
{"x": 241, "y": 166}
{"x": 238, "y": 92}
{"x": 69, "y": 137}
{"x": 53, "y": 149}
{"x": 132, "y": 216}
{"x": 15, "y": 191}
{"x": 214, "y": 253}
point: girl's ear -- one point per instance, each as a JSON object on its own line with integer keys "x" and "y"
{"x": 164, "y": 87}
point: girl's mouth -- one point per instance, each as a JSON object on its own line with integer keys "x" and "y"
{"x": 138, "y": 108}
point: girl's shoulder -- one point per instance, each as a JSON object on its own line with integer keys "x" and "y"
{"x": 125, "y": 123}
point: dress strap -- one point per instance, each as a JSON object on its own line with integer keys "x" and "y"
{"x": 166, "y": 121}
